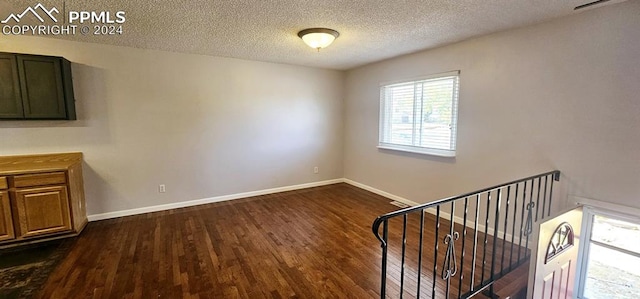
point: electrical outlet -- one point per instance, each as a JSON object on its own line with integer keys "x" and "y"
{"x": 315, "y": 169}
{"x": 162, "y": 188}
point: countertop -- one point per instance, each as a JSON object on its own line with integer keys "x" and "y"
{"x": 10, "y": 165}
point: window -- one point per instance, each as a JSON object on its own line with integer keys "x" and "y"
{"x": 420, "y": 116}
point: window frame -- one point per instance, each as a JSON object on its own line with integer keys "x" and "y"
{"x": 384, "y": 122}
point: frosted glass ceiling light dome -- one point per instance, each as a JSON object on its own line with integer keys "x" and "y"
{"x": 318, "y": 38}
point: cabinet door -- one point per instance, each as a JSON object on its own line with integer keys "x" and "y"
{"x": 43, "y": 210}
{"x": 10, "y": 100}
{"x": 6, "y": 222}
{"x": 42, "y": 87}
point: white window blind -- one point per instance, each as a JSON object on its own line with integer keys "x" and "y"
{"x": 421, "y": 115}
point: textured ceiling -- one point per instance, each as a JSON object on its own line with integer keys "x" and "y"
{"x": 266, "y": 30}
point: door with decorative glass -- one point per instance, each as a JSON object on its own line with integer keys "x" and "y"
{"x": 555, "y": 258}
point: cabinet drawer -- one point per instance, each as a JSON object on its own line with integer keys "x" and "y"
{"x": 40, "y": 179}
{"x": 3, "y": 183}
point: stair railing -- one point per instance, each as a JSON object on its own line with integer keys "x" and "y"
{"x": 501, "y": 221}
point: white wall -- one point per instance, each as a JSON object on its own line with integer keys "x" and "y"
{"x": 559, "y": 95}
{"x": 204, "y": 126}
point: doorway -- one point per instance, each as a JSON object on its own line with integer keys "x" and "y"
{"x": 610, "y": 266}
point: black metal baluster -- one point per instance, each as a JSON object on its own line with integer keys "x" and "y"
{"x": 528, "y": 228}
{"x": 464, "y": 236}
{"x": 496, "y": 233}
{"x": 529, "y": 225}
{"x": 385, "y": 238}
{"x": 420, "y": 253}
{"x": 544, "y": 197}
{"x": 448, "y": 270}
{"x": 531, "y": 193}
{"x": 475, "y": 245}
{"x": 513, "y": 227}
{"x": 504, "y": 234}
{"x": 524, "y": 200}
{"x": 486, "y": 233}
{"x": 556, "y": 178}
{"x": 404, "y": 249}
{"x": 435, "y": 254}
{"x": 538, "y": 199}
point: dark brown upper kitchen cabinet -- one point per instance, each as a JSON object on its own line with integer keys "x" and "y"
{"x": 10, "y": 99}
{"x": 35, "y": 87}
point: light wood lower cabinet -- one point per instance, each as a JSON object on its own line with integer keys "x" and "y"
{"x": 6, "y": 223}
{"x": 41, "y": 198}
{"x": 43, "y": 211}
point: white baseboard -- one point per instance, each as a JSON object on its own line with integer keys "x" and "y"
{"x": 381, "y": 193}
{"x": 190, "y": 203}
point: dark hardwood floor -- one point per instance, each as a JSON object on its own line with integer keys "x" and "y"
{"x": 312, "y": 243}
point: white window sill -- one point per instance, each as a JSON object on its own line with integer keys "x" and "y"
{"x": 418, "y": 150}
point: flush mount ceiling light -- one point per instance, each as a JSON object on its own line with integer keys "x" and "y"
{"x": 318, "y": 38}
